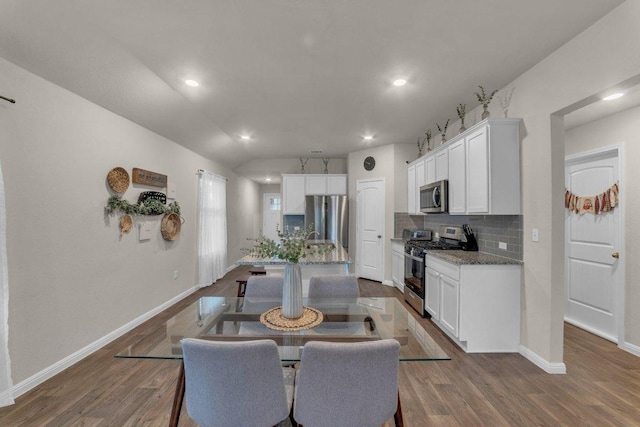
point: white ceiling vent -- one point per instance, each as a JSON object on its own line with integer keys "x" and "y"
{"x": 315, "y": 151}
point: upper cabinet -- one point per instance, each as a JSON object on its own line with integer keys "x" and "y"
{"x": 296, "y": 187}
{"x": 416, "y": 177}
{"x": 484, "y": 169}
{"x": 293, "y": 187}
{"x": 482, "y": 166}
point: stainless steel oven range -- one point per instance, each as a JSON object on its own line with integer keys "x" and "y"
{"x": 418, "y": 243}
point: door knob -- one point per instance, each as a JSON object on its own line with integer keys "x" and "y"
{"x": 616, "y": 254}
{"x": 379, "y": 236}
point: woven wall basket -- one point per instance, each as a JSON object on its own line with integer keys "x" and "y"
{"x": 118, "y": 179}
{"x": 170, "y": 227}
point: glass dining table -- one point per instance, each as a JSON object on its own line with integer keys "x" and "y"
{"x": 238, "y": 319}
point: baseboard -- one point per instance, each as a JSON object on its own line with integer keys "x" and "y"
{"x": 40, "y": 377}
{"x": 548, "y": 367}
{"x": 6, "y": 398}
{"x": 631, "y": 348}
{"x": 388, "y": 283}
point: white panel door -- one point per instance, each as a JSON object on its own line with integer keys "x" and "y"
{"x": 271, "y": 207}
{"x": 592, "y": 276}
{"x": 370, "y": 205}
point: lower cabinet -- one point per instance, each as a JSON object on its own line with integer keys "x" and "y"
{"x": 397, "y": 264}
{"x": 478, "y": 306}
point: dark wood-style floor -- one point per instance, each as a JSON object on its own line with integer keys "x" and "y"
{"x": 601, "y": 387}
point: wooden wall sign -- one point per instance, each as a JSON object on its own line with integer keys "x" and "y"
{"x": 141, "y": 176}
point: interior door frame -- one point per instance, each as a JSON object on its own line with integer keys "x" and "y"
{"x": 384, "y": 226}
{"x": 617, "y": 150}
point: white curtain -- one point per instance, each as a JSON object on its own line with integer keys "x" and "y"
{"x": 6, "y": 384}
{"x": 212, "y": 228}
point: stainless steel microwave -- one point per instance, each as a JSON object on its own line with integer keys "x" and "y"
{"x": 434, "y": 197}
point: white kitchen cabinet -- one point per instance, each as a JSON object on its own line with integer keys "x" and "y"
{"x": 477, "y": 305}
{"x": 457, "y": 178}
{"x": 484, "y": 169}
{"x": 430, "y": 169}
{"x": 441, "y": 165}
{"x": 315, "y": 185}
{"x": 336, "y": 184}
{"x": 323, "y": 184}
{"x": 449, "y": 304}
{"x": 296, "y": 187}
{"x": 421, "y": 179}
{"x": 411, "y": 189}
{"x": 397, "y": 264}
{"x": 293, "y": 187}
{"x": 432, "y": 293}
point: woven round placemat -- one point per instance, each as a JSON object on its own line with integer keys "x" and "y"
{"x": 273, "y": 319}
{"x": 118, "y": 179}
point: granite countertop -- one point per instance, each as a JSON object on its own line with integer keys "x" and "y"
{"x": 467, "y": 257}
{"x": 398, "y": 240}
{"x": 336, "y": 256}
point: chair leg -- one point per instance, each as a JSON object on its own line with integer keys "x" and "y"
{"x": 397, "y": 417}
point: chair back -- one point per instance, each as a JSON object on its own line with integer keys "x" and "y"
{"x": 347, "y": 384}
{"x": 234, "y": 383}
{"x": 264, "y": 287}
{"x": 334, "y": 286}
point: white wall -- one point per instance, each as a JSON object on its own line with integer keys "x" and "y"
{"x": 390, "y": 164}
{"x": 622, "y": 128}
{"x": 72, "y": 279}
{"x": 593, "y": 62}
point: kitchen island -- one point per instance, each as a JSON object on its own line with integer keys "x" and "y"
{"x": 335, "y": 261}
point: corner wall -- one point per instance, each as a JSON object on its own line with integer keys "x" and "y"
{"x": 72, "y": 278}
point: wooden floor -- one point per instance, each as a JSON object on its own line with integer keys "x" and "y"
{"x": 601, "y": 387}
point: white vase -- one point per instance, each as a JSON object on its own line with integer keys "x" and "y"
{"x": 292, "y": 291}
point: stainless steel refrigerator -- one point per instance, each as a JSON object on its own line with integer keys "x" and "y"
{"x": 329, "y": 216}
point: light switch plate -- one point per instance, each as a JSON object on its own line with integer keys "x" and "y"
{"x": 171, "y": 191}
{"x": 502, "y": 245}
{"x": 534, "y": 234}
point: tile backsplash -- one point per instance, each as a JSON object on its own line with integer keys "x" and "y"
{"x": 489, "y": 229}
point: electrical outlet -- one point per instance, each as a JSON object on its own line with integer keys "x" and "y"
{"x": 175, "y": 274}
{"x": 502, "y": 245}
{"x": 534, "y": 234}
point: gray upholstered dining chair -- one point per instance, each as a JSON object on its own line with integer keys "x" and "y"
{"x": 236, "y": 383}
{"x": 334, "y": 286}
{"x": 348, "y": 384}
{"x": 264, "y": 287}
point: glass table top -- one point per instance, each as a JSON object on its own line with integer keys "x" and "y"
{"x": 234, "y": 319}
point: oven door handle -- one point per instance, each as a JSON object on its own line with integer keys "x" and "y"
{"x": 415, "y": 258}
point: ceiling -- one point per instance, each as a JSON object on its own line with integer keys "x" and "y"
{"x": 293, "y": 75}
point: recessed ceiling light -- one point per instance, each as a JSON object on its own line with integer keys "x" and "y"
{"x": 191, "y": 83}
{"x": 245, "y": 137}
{"x": 368, "y": 138}
{"x": 613, "y": 96}
{"x": 399, "y": 82}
